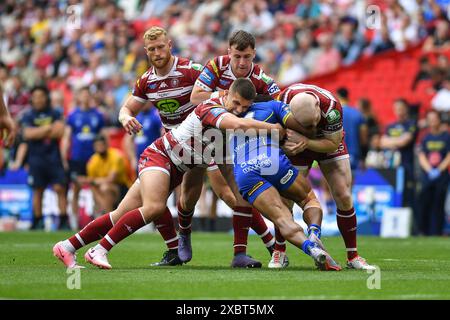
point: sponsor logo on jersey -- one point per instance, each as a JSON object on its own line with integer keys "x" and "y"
{"x": 333, "y": 116}
{"x": 287, "y": 177}
{"x": 197, "y": 66}
{"x": 168, "y": 105}
{"x": 206, "y": 76}
{"x": 151, "y": 86}
{"x": 163, "y": 85}
{"x": 225, "y": 83}
{"x": 174, "y": 83}
{"x": 217, "y": 111}
{"x": 266, "y": 78}
{"x": 273, "y": 88}
{"x": 333, "y": 127}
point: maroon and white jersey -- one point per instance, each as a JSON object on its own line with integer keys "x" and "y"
{"x": 332, "y": 116}
{"x": 169, "y": 94}
{"x": 217, "y": 75}
{"x": 187, "y": 145}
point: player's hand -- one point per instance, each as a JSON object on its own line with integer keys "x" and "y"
{"x": 281, "y": 130}
{"x": 130, "y": 124}
{"x": 296, "y": 143}
{"x": 7, "y": 130}
{"x": 14, "y": 166}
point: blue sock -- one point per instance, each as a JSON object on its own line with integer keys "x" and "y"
{"x": 314, "y": 228}
{"x": 306, "y": 245}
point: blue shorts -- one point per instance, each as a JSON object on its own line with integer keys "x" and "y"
{"x": 260, "y": 173}
{"x": 44, "y": 174}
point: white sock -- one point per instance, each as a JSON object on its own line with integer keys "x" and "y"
{"x": 68, "y": 246}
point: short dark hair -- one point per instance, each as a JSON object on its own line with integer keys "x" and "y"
{"x": 40, "y": 88}
{"x": 244, "y": 87}
{"x": 342, "y": 92}
{"x": 242, "y": 39}
{"x": 402, "y": 100}
{"x": 100, "y": 138}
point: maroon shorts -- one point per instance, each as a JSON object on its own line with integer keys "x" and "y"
{"x": 305, "y": 159}
{"x": 154, "y": 158}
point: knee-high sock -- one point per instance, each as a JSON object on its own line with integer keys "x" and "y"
{"x": 94, "y": 231}
{"x": 260, "y": 227}
{"x": 280, "y": 242}
{"x": 346, "y": 221}
{"x": 127, "y": 225}
{"x": 242, "y": 220}
{"x": 184, "y": 219}
{"x": 166, "y": 228}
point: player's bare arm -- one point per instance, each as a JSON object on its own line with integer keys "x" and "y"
{"x": 297, "y": 142}
{"x": 6, "y": 123}
{"x": 37, "y": 133}
{"x": 57, "y": 130}
{"x": 387, "y": 142}
{"x": 230, "y": 121}
{"x": 128, "y": 113}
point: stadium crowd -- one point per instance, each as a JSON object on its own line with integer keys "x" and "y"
{"x": 89, "y": 54}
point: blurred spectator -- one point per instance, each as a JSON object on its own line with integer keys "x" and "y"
{"x": 400, "y": 137}
{"x": 373, "y": 130}
{"x": 291, "y": 70}
{"x": 406, "y": 34}
{"x": 441, "y": 101}
{"x": 107, "y": 175}
{"x": 151, "y": 130}
{"x": 83, "y": 124}
{"x": 439, "y": 40}
{"x": 380, "y": 42}
{"x": 17, "y": 97}
{"x": 424, "y": 72}
{"x": 434, "y": 160}
{"x": 328, "y": 59}
{"x": 42, "y": 128}
{"x": 356, "y": 134}
{"x": 349, "y": 42}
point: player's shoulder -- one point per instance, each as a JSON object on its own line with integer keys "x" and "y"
{"x": 146, "y": 74}
{"x": 214, "y": 106}
{"x": 188, "y": 64}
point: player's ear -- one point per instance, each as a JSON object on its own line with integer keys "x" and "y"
{"x": 229, "y": 51}
{"x": 169, "y": 43}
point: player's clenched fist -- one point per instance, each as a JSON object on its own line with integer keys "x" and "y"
{"x": 130, "y": 124}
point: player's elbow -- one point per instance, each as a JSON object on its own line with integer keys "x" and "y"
{"x": 196, "y": 96}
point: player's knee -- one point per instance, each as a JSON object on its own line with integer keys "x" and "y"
{"x": 153, "y": 211}
{"x": 343, "y": 199}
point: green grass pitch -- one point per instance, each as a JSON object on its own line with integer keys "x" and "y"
{"x": 414, "y": 268}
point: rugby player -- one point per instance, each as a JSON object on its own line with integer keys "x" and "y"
{"x": 318, "y": 110}
{"x": 264, "y": 174}
{"x": 160, "y": 171}
{"x": 214, "y": 81}
{"x": 167, "y": 84}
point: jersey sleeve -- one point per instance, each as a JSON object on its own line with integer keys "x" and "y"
{"x": 282, "y": 111}
{"x": 209, "y": 77}
{"x": 212, "y": 116}
{"x": 269, "y": 86}
{"x": 334, "y": 120}
{"x": 27, "y": 120}
{"x": 195, "y": 71}
{"x": 139, "y": 89}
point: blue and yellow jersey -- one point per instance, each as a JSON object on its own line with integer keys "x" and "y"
{"x": 271, "y": 112}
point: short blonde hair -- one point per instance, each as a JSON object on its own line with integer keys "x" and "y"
{"x": 154, "y": 32}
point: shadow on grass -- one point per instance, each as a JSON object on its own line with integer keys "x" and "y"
{"x": 206, "y": 268}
